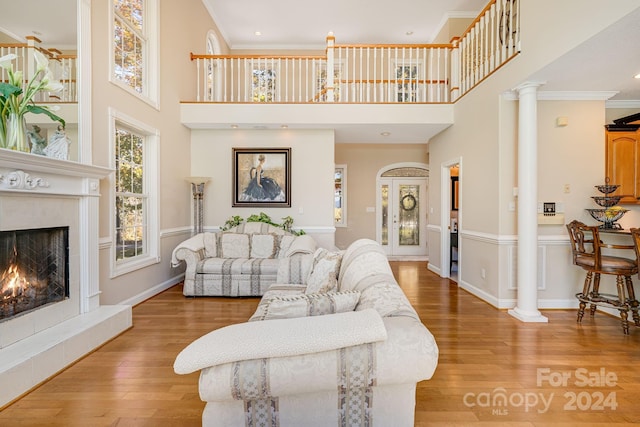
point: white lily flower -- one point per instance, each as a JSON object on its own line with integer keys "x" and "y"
{"x": 41, "y": 61}
{"x": 5, "y": 61}
{"x": 53, "y": 86}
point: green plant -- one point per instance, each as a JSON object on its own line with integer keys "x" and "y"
{"x": 16, "y": 100}
{"x": 234, "y": 221}
{"x": 286, "y": 225}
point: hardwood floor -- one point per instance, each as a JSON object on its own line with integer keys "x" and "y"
{"x": 485, "y": 354}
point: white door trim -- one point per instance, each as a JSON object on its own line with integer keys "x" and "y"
{"x": 445, "y": 217}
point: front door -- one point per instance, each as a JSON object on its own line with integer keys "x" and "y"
{"x": 402, "y": 219}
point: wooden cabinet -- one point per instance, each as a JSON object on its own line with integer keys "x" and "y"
{"x": 623, "y": 163}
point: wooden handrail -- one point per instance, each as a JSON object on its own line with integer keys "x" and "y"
{"x": 194, "y": 56}
{"x": 393, "y": 46}
{"x": 394, "y": 81}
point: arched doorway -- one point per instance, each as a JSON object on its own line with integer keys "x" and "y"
{"x": 402, "y": 206}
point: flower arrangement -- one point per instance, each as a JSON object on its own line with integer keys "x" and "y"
{"x": 16, "y": 101}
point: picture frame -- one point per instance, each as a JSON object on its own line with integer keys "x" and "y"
{"x": 261, "y": 177}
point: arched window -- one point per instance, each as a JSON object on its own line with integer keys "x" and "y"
{"x": 213, "y": 88}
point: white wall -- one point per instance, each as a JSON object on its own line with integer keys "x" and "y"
{"x": 485, "y": 138}
{"x": 183, "y": 30}
{"x": 312, "y": 169}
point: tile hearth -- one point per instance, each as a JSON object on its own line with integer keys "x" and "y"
{"x": 35, "y": 192}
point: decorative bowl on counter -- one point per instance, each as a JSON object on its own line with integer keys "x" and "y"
{"x": 606, "y": 201}
{"x": 607, "y": 188}
{"x": 608, "y": 216}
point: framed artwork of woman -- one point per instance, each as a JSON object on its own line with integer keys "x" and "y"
{"x": 262, "y": 177}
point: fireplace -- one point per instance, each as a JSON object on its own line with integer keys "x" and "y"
{"x": 49, "y": 230}
{"x": 34, "y": 269}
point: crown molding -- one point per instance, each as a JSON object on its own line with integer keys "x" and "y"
{"x": 623, "y": 103}
{"x": 569, "y": 96}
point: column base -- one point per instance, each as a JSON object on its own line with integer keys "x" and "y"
{"x": 528, "y": 316}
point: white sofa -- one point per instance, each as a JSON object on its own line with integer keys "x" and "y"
{"x": 353, "y": 358}
{"x": 242, "y": 261}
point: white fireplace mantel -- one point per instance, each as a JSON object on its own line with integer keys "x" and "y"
{"x": 35, "y": 190}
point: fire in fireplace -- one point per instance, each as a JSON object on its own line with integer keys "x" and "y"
{"x": 34, "y": 269}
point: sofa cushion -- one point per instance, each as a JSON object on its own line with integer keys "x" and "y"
{"x": 301, "y": 245}
{"x": 285, "y": 243}
{"x": 323, "y": 276}
{"x": 294, "y": 269}
{"x": 264, "y": 245}
{"x": 210, "y": 244}
{"x": 286, "y": 307}
{"x": 234, "y": 245}
{"x": 233, "y": 266}
{"x": 280, "y": 338}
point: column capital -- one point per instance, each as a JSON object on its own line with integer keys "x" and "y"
{"x": 528, "y": 86}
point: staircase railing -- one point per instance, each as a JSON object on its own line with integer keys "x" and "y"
{"x": 62, "y": 66}
{"x": 409, "y": 73}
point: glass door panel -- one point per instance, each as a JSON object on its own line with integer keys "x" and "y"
{"x": 402, "y": 219}
{"x": 409, "y": 215}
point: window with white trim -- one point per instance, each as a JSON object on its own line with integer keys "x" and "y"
{"x": 340, "y": 196}
{"x": 263, "y": 80}
{"x": 407, "y": 74}
{"x": 135, "y": 225}
{"x": 135, "y": 58}
{"x": 321, "y": 82}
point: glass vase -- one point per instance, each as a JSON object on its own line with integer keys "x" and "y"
{"x": 16, "y": 138}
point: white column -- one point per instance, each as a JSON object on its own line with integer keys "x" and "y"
{"x": 526, "y": 308}
{"x": 331, "y": 41}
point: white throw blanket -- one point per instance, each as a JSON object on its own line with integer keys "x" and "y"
{"x": 281, "y": 338}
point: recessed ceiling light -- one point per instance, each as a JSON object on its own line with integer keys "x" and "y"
{"x": 284, "y": 126}
{"x": 385, "y": 133}
{"x": 637, "y": 76}
{"x": 257, "y": 33}
{"x": 409, "y": 33}
{"x": 234, "y": 126}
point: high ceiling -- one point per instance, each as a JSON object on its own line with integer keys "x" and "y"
{"x": 53, "y": 22}
{"x": 593, "y": 66}
{"x": 302, "y": 24}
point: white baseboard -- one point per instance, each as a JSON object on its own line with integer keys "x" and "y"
{"x": 151, "y": 292}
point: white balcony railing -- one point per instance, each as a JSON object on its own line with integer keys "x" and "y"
{"x": 368, "y": 73}
{"x": 63, "y": 67}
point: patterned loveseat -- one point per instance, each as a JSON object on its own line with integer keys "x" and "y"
{"x": 326, "y": 356}
{"x": 243, "y": 261}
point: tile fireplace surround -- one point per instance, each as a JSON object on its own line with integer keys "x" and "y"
{"x": 36, "y": 191}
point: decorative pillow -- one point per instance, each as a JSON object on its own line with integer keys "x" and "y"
{"x": 263, "y": 245}
{"x": 211, "y": 245}
{"x": 234, "y": 245}
{"x": 286, "y": 307}
{"x": 323, "y": 276}
{"x": 294, "y": 269}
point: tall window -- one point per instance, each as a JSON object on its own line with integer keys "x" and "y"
{"x": 129, "y": 42}
{"x": 340, "y": 196}
{"x": 135, "y": 46}
{"x": 131, "y": 199}
{"x": 135, "y": 197}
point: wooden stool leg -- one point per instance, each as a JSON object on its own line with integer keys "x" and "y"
{"x": 625, "y": 322}
{"x": 624, "y": 306}
{"x": 585, "y": 294}
{"x": 595, "y": 294}
{"x": 632, "y": 301}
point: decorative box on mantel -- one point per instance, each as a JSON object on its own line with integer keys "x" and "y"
{"x": 40, "y": 192}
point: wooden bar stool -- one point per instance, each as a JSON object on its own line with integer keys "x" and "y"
{"x": 586, "y": 248}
